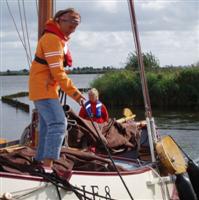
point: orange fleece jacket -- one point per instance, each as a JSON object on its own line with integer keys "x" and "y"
{"x": 44, "y": 80}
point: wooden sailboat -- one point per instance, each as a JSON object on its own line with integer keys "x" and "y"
{"x": 137, "y": 180}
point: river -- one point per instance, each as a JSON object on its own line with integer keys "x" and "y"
{"x": 182, "y": 124}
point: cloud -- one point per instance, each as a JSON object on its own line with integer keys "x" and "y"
{"x": 101, "y": 48}
{"x": 176, "y": 48}
{"x": 108, "y": 5}
{"x": 156, "y": 4}
{"x": 167, "y": 28}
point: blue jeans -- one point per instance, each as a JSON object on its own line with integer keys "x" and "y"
{"x": 52, "y": 128}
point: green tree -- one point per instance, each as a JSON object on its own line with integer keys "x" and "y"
{"x": 150, "y": 61}
{"x": 24, "y": 70}
{"x": 8, "y": 71}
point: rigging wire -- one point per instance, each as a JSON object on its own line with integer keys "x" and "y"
{"x": 27, "y": 192}
{"x": 26, "y": 27}
{"x": 10, "y": 12}
{"x": 19, "y": 7}
{"x": 178, "y": 128}
{"x": 54, "y": 178}
{"x": 109, "y": 154}
{"x": 23, "y": 33}
{"x": 37, "y": 9}
{"x": 163, "y": 185}
{"x": 55, "y": 7}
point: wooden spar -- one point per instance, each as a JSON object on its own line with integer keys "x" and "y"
{"x": 148, "y": 111}
{"x": 140, "y": 60}
{"x": 45, "y": 12}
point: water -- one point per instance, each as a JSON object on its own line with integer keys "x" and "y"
{"x": 182, "y": 125}
{"x": 13, "y": 121}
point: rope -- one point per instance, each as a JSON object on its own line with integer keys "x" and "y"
{"x": 37, "y": 9}
{"x": 24, "y": 190}
{"x": 19, "y": 7}
{"x": 10, "y": 12}
{"x": 62, "y": 97}
{"x": 188, "y": 157}
{"x": 28, "y": 193}
{"x": 109, "y": 154}
{"x": 161, "y": 185}
{"x": 27, "y": 34}
{"x": 22, "y": 28}
{"x": 162, "y": 182}
{"x": 53, "y": 178}
{"x": 58, "y": 192}
{"x": 178, "y": 128}
{"x": 56, "y": 180}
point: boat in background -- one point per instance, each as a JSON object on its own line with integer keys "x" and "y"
{"x": 160, "y": 176}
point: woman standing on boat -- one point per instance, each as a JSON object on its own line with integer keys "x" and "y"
{"x": 46, "y": 76}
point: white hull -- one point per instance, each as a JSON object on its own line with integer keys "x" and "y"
{"x": 142, "y": 184}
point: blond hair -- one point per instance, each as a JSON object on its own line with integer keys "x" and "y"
{"x": 95, "y": 92}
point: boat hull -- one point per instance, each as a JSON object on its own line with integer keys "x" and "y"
{"x": 142, "y": 183}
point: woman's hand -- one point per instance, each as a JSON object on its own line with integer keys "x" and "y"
{"x": 81, "y": 100}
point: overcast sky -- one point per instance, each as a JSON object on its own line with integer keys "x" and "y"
{"x": 167, "y": 28}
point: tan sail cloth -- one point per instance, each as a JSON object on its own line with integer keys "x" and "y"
{"x": 115, "y": 135}
{"x": 21, "y": 161}
{"x": 118, "y": 137}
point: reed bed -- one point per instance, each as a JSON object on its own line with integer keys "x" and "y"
{"x": 168, "y": 87}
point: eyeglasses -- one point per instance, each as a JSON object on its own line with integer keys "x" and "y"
{"x": 71, "y": 21}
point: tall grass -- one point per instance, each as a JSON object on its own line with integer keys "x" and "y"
{"x": 167, "y": 87}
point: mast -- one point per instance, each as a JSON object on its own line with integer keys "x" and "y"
{"x": 45, "y": 13}
{"x": 148, "y": 111}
